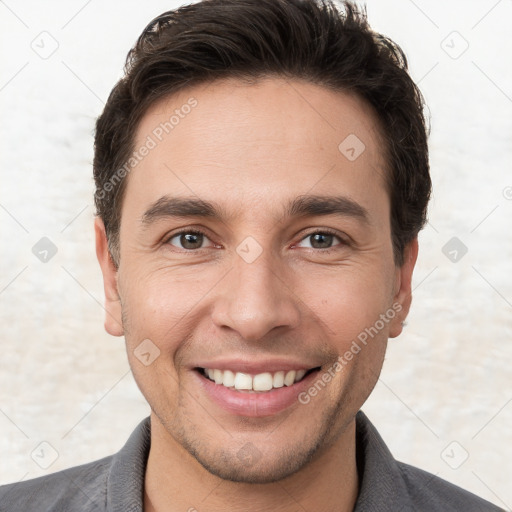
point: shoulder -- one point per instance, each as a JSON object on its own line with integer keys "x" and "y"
{"x": 388, "y": 485}
{"x": 93, "y": 487}
{"x": 429, "y": 492}
{"x": 80, "y": 488}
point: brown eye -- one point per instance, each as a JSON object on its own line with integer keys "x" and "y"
{"x": 321, "y": 240}
{"x": 189, "y": 240}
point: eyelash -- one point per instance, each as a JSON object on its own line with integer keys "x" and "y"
{"x": 325, "y": 231}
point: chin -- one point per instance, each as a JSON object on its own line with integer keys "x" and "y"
{"x": 265, "y": 470}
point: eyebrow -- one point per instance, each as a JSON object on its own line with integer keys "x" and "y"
{"x": 301, "y": 206}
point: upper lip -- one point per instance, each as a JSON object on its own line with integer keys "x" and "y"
{"x": 255, "y": 367}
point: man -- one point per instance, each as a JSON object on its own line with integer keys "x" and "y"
{"x": 261, "y": 178}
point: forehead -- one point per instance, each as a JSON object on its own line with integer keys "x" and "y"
{"x": 259, "y": 145}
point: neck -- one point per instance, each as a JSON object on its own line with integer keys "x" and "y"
{"x": 175, "y": 481}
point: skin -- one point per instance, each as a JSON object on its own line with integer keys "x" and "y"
{"x": 251, "y": 149}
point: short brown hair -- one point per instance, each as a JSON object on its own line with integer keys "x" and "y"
{"x": 311, "y": 40}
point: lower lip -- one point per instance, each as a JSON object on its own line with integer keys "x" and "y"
{"x": 243, "y": 403}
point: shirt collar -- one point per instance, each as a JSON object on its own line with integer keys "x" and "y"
{"x": 125, "y": 483}
{"x": 381, "y": 483}
{"x": 380, "y": 480}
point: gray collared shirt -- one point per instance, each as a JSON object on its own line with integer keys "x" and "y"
{"x": 116, "y": 483}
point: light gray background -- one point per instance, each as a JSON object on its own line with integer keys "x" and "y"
{"x": 65, "y": 382}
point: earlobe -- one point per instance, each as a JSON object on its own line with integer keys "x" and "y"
{"x": 113, "y": 314}
{"x": 403, "y": 290}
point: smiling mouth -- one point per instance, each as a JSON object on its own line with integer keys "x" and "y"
{"x": 259, "y": 383}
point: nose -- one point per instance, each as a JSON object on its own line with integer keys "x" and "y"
{"x": 255, "y": 299}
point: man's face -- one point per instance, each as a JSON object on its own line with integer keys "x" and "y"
{"x": 293, "y": 261}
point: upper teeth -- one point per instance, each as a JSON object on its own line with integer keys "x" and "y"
{"x": 260, "y": 382}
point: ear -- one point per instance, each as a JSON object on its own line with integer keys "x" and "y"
{"x": 403, "y": 291}
{"x": 113, "y": 316}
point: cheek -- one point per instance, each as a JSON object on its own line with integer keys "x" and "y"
{"x": 160, "y": 298}
{"x": 348, "y": 301}
{"x": 159, "y": 307}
